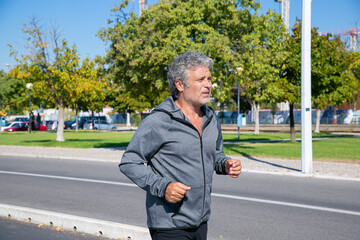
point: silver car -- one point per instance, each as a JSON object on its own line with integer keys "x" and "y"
{"x": 99, "y": 124}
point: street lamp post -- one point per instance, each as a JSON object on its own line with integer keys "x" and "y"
{"x": 29, "y": 86}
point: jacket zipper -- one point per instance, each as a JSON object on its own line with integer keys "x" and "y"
{"x": 203, "y": 163}
{"x": 202, "y": 154}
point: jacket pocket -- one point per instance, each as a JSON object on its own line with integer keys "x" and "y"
{"x": 191, "y": 206}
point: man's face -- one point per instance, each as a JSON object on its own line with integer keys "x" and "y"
{"x": 197, "y": 91}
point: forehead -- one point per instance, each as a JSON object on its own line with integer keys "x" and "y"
{"x": 199, "y": 71}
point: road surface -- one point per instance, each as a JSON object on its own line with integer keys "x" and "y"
{"x": 254, "y": 206}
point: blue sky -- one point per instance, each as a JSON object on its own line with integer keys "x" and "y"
{"x": 80, "y": 20}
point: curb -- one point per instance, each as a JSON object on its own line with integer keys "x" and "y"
{"x": 74, "y": 223}
{"x": 59, "y": 157}
{"x": 305, "y": 175}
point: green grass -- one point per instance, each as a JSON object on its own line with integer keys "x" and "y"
{"x": 270, "y": 136}
{"x": 81, "y": 139}
{"x": 335, "y": 148}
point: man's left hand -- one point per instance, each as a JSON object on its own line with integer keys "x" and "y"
{"x": 233, "y": 167}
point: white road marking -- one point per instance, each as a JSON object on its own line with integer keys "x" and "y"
{"x": 69, "y": 178}
{"x": 287, "y": 204}
{"x": 213, "y": 194}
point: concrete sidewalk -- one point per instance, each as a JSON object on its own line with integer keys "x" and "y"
{"x": 331, "y": 170}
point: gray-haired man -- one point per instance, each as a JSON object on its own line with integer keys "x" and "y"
{"x": 175, "y": 151}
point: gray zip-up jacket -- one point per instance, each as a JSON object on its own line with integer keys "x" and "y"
{"x": 167, "y": 148}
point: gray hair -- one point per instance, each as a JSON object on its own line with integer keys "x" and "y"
{"x": 178, "y": 70}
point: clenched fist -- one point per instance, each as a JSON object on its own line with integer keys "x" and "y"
{"x": 175, "y": 192}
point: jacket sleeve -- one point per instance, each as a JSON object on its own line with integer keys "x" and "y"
{"x": 144, "y": 144}
{"x": 220, "y": 155}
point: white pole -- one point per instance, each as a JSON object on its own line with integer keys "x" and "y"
{"x": 306, "y": 124}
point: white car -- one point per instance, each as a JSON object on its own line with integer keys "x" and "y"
{"x": 100, "y": 125}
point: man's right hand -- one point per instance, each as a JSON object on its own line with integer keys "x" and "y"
{"x": 175, "y": 192}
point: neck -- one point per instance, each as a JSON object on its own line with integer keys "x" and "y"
{"x": 189, "y": 110}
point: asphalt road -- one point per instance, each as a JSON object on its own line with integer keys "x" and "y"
{"x": 254, "y": 206}
{"x": 17, "y": 230}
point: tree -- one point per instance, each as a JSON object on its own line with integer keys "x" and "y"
{"x": 262, "y": 57}
{"x": 332, "y": 80}
{"x": 53, "y": 68}
{"x": 142, "y": 48}
{"x": 88, "y": 92}
{"x": 355, "y": 69}
{"x": 290, "y": 81}
{"x": 13, "y": 94}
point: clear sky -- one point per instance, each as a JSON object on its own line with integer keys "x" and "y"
{"x": 80, "y": 20}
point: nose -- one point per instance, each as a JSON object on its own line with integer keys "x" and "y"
{"x": 208, "y": 83}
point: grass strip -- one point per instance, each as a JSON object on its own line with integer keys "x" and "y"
{"x": 330, "y": 147}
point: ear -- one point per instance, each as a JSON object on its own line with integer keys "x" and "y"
{"x": 179, "y": 85}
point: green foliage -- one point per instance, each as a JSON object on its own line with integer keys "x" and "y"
{"x": 331, "y": 79}
{"x": 142, "y": 48}
{"x": 137, "y": 118}
{"x": 262, "y": 58}
{"x": 13, "y": 94}
{"x": 355, "y": 66}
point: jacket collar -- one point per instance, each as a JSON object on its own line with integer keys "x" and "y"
{"x": 169, "y": 106}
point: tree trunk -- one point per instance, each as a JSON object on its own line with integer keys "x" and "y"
{"x": 257, "y": 120}
{"x": 60, "y": 128}
{"x": 317, "y": 123}
{"x": 92, "y": 120}
{"x": 292, "y": 123}
{"x": 335, "y": 117}
{"x": 76, "y": 119}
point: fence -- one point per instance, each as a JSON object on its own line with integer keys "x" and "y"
{"x": 283, "y": 117}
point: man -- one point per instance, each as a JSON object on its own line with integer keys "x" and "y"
{"x": 38, "y": 120}
{"x": 32, "y": 121}
{"x": 175, "y": 151}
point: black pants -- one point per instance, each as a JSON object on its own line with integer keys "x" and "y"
{"x": 199, "y": 233}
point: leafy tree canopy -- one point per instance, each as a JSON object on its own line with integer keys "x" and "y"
{"x": 142, "y": 48}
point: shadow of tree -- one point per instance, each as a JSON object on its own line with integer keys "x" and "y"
{"x": 235, "y": 149}
{"x": 113, "y": 146}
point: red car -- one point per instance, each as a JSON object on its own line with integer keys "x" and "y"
{"x": 14, "y": 126}
{"x": 21, "y": 126}
{"x": 36, "y": 126}
{"x": 42, "y": 127}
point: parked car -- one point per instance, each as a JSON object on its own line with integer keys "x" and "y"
{"x": 51, "y": 125}
{"x": 14, "y": 126}
{"x": 42, "y": 127}
{"x": 21, "y": 119}
{"x": 67, "y": 124}
{"x": 100, "y": 125}
{"x": 36, "y": 126}
{"x": 83, "y": 119}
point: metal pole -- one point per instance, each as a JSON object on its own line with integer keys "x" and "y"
{"x": 306, "y": 124}
{"x": 30, "y": 120}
